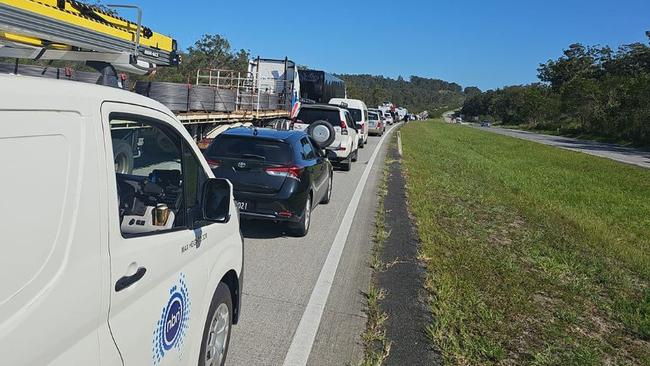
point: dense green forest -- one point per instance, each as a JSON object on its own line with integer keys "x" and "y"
{"x": 417, "y": 95}
{"x": 591, "y": 91}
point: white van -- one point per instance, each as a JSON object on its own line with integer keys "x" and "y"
{"x": 359, "y": 112}
{"x": 118, "y": 244}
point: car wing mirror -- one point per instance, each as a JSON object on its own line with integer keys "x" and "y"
{"x": 215, "y": 202}
{"x": 331, "y": 155}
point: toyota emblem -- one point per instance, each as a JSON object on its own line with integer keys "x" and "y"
{"x": 241, "y": 165}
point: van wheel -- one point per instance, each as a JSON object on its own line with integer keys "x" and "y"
{"x": 216, "y": 333}
{"x": 123, "y": 157}
{"x": 328, "y": 194}
{"x": 301, "y": 228}
{"x": 361, "y": 143}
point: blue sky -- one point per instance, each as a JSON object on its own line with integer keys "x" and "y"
{"x": 488, "y": 43}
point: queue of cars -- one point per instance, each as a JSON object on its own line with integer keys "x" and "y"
{"x": 282, "y": 174}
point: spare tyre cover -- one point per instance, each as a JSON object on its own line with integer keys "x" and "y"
{"x": 322, "y": 132}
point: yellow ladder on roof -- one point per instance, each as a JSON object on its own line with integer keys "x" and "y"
{"x": 70, "y": 30}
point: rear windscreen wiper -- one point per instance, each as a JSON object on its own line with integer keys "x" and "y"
{"x": 253, "y": 156}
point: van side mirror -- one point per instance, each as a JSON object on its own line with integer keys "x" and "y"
{"x": 215, "y": 202}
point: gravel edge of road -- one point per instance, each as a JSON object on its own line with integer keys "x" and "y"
{"x": 401, "y": 278}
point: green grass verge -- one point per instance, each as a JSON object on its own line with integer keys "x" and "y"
{"x": 376, "y": 345}
{"x": 535, "y": 255}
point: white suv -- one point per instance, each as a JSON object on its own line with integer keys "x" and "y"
{"x": 118, "y": 244}
{"x": 359, "y": 112}
{"x": 333, "y": 128}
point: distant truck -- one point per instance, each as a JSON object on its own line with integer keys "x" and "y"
{"x": 319, "y": 86}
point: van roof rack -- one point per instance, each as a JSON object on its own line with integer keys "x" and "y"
{"x": 74, "y": 31}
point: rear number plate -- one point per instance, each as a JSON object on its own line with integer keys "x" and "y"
{"x": 242, "y": 206}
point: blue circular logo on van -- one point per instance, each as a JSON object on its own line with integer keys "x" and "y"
{"x": 173, "y": 320}
{"x": 170, "y": 330}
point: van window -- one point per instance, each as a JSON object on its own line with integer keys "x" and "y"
{"x": 356, "y": 114}
{"x": 349, "y": 120}
{"x": 152, "y": 189}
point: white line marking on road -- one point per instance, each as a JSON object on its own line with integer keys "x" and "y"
{"x": 399, "y": 143}
{"x": 303, "y": 339}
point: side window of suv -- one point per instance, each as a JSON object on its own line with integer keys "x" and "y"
{"x": 156, "y": 182}
{"x": 307, "y": 150}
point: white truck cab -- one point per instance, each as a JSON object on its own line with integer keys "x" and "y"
{"x": 118, "y": 244}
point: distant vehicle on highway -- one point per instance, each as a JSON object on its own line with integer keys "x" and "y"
{"x": 276, "y": 175}
{"x": 376, "y": 125}
{"x": 389, "y": 118}
{"x": 359, "y": 112}
{"x": 331, "y": 127}
{"x": 486, "y": 124}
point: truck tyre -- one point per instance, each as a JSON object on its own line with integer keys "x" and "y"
{"x": 322, "y": 132}
{"x": 301, "y": 228}
{"x": 123, "y": 157}
{"x": 216, "y": 332}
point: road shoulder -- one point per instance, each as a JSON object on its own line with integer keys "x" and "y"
{"x": 401, "y": 277}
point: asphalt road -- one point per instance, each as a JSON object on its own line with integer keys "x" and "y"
{"x": 281, "y": 273}
{"x": 610, "y": 151}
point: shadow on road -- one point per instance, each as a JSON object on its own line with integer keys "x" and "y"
{"x": 261, "y": 229}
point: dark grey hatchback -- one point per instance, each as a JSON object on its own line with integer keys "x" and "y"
{"x": 276, "y": 175}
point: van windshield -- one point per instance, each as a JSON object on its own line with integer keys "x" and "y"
{"x": 356, "y": 114}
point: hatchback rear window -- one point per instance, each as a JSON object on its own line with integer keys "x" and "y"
{"x": 309, "y": 116}
{"x": 241, "y": 147}
{"x": 373, "y": 116}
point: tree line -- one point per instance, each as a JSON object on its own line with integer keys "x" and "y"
{"x": 593, "y": 91}
{"x": 417, "y": 94}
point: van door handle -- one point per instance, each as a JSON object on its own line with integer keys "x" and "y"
{"x": 127, "y": 281}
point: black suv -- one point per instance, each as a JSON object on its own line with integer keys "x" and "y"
{"x": 276, "y": 175}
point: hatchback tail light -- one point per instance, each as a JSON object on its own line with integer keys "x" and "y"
{"x": 285, "y": 171}
{"x": 213, "y": 163}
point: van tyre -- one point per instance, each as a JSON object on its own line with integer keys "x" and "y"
{"x": 301, "y": 228}
{"x": 216, "y": 332}
{"x": 123, "y": 157}
{"x": 328, "y": 194}
{"x": 361, "y": 143}
{"x": 356, "y": 156}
